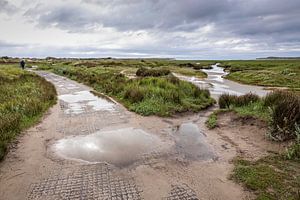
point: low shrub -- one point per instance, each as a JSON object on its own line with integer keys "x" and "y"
{"x": 293, "y": 152}
{"x": 212, "y": 121}
{"x": 227, "y": 100}
{"x": 85, "y": 64}
{"x": 134, "y": 94}
{"x": 191, "y": 65}
{"x": 246, "y": 99}
{"x": 144, "y": 72}
{"x": 285, "y": 115}
{"x": 273, "y": 98}
{"x": 173, "y": 79}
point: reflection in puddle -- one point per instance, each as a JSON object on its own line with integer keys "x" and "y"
{"x": 120, "y": 147}
{"x": 71, "y": 86}
{"x": 192, "y": 143}
{"x": 80, "y": 101}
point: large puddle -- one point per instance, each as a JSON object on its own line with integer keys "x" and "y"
{"x": 192, "y": 143}
{"x": 78, "y": 102}
{"x": 217, "y": 85}
{"x": 120, "y": 147}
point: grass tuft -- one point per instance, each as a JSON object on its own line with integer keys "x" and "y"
{"x": 228, "y": 100}
{"x": 285, "y": 108}
{"x": 154, "y": 72}
{"x": 212, "y": 121}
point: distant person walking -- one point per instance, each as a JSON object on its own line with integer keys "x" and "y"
{"x": 22, "y": 64}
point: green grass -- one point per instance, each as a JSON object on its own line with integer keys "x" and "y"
{"x": 163, "y": 96}
{"x": 276, "y": 73}
{"x": 270, "y": 178}
{"x": 255, "y": 109}
{"x": 23, "y": 100}
{"x": 212, "y": 121}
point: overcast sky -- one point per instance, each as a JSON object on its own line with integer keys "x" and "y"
{"x": 187, "y": 29}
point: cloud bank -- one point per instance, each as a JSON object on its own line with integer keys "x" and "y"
{"x": 197, "y": 29}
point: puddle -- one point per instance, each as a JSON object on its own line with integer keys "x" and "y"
{"x": 78, "y": 102}
{"x": 192, "y": 143}
{"x": 217, "y": 85}
{"x": 120, "y": 147}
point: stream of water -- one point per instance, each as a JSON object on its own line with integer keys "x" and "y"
{"x": 218, "y": 85}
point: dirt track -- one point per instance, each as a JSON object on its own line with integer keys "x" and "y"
{"x": 42, "y": 166}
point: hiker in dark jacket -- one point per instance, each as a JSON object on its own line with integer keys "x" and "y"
{"x": 22, "y": 64}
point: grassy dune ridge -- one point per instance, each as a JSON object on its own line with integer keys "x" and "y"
{"x": 24, "y": 98}
{"x": 163, "y": 96}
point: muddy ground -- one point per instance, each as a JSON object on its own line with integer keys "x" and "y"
{"x": 91, "y": 148}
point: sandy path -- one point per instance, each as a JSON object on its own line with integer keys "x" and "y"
{"x": 34, "y": 170}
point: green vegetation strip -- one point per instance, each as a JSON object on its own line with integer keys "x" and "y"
{"x": 163, "y": 96}
{"x": 24, "y": 98}
{"x": 274, "y": 73}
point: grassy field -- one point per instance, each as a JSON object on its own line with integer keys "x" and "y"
{"x": 24, "y": 98}
{"x": 276, "y": 73}
{"x": 130, "y": 66}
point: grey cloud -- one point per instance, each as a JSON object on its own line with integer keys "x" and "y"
{"x": 132, "y": 15}
{"x": 262, "y": 24}
{"x": 6, "y": 7}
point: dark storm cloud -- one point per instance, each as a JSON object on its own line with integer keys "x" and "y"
{"x": 175, "y": 27}
{"x": 235, "y": 16}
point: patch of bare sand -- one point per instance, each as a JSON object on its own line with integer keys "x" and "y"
{"x": 248, "y": 135}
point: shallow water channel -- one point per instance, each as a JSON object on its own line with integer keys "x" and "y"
{"x": 218, "y": 85}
